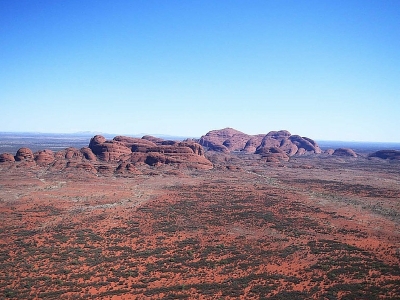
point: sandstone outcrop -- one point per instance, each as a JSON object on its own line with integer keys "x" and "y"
{"x": 88, "y": 154}
{"x": 69, "y": 153}
{"x": 44, "y": 157}
{"x": 6, "y": 157}
{"x": 153, "y": 139}
{"x": 386, "y": 154}
{"x": 345, "y": 152}
{"x": 273, "y": 154}
{"x": 253, "y": 143}
{"x": 231, "y": 140}
{"x": 108, "y": 150}
{"x": 24, "y": 154}
{"x": 148, "y": 150}
{"x": 127, "y": 167}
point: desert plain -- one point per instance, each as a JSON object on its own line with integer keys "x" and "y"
{"x": 274, "y": 224}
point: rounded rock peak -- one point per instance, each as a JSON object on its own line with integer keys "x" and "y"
{"x": 6, "y": 157}
{"x": 96, "y": 140}
{"x": 24, "y": 154}
{"x": 345, "y": 152}
{"x": 279, "y": 134}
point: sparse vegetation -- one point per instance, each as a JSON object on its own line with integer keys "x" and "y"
{"x": 217, "y": 236}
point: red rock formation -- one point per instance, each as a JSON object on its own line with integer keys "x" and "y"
{"x": 69, "y": 153}
{"x": 24, "y": 154}
{"x": 88, "y": 167}
{"x": 386, "y": 154}
{"x": 44, "y": 157}
{"x": 6, "y": 157}
{"x": 196, "y": 148}
{"x": 273, "y": 154}
{"x": 344, "y": 152}
{"x": 305, "y": 143}
{"x": 127, "y": 167}
{"x": 96, "y": 140}
{"x": 253, "y": 143}
{"x": 232, "y": 139}
{"x": 228, "y": 139}
{"x": 138, "y": 151}
{"x": 136, "y": 142}
{"x": 88, "y": 154}
{"x": 153, "y": 139}
{"x": 216, "y": 147}
{"x": 108, "y": 150}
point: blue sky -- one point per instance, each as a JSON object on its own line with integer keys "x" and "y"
{"x": 328, "y": 70}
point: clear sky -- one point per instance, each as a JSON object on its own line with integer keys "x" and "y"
{"x": 328, "y": 70}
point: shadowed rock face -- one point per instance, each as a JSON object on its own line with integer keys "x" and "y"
{"x": 88, "y": 154}
{"x": 386, "y": 154}
{"x": 345, "y": 152}
{"x": 228, "y": 140}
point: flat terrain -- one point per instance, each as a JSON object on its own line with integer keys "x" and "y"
{"x": 326, "y": 228}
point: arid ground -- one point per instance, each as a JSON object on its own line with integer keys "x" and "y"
{"x": 309, "y": 228}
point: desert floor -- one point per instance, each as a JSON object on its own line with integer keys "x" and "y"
{"x": 304, "y": 229}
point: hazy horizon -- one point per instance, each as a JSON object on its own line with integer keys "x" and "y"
{"x": 86, "y": 134}
{"x": 328, "y": 70}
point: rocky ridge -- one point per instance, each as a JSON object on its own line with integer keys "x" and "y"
{"x": 125, "y": 155}
{"x": 276, "y": 144}
{"x": 122, "y": 154}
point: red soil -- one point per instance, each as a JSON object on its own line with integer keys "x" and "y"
{"x": 303, "y": 230}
